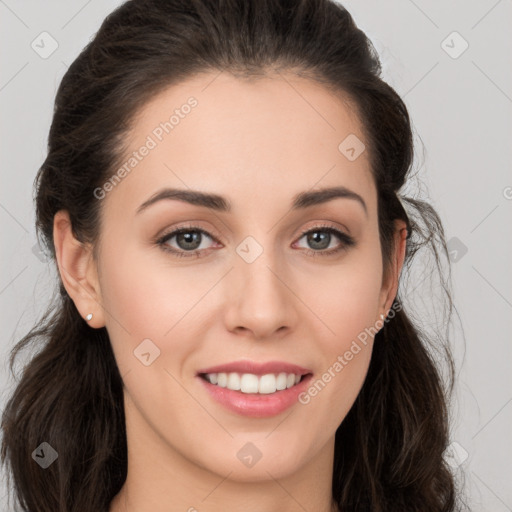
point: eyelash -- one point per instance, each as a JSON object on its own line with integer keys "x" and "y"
{"x": 346, "y": 241}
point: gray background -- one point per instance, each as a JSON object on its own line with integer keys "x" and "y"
{"x": 460, "y": 103}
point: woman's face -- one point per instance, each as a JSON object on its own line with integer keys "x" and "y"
{"x": 249, "y": 287}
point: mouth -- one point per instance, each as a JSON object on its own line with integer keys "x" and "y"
{"x": 255, "y": 396}
{"x": 251, "y": 383}
{"x": 253, "y": 388}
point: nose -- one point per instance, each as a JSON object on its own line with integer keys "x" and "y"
{"x": 261, "y": 299}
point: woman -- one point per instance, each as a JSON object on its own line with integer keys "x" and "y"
{"x": 221, "y": 200}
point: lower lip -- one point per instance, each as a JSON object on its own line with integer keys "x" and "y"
{"x": 257, "y": 405}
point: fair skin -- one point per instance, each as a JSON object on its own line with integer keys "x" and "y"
{"x": 257, "y": 144}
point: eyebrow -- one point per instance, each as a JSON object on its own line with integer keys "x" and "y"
{"x": 221, "y": 204}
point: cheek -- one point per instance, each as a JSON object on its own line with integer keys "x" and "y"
{"x": 346, "y": 299}
{"x": 142, "y": 291}
{"x": 145, "y": 299}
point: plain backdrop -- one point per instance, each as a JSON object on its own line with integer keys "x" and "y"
{"x": 450, "y": 62}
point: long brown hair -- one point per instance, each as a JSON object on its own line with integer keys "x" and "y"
{"x": 389, "y": 448}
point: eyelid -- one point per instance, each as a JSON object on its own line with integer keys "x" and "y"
{"x": 346, "y": 240}
{"x": 168, "y": 235}
{"x": 187, "y": 227}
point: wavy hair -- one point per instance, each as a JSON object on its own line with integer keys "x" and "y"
{"x": 389, "y": 448}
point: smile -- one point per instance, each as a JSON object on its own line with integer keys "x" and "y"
{"x": 250, "y": 383}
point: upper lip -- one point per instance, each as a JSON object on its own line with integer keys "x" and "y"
{"x": 256, "y": 368}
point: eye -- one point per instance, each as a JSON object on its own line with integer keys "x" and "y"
{"x": 188, "y": 239}
{"x": 320, "y": 238}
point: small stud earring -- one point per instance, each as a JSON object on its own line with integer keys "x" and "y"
{"x": 88, "y": 317}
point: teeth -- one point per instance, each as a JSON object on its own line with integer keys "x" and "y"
{"x": 234, "y": 381}
{"x": 222, "y": 380}
{"x": 281, "y": 381}
{"x": 268, "y": 384}
{"x": 250, "y": 383}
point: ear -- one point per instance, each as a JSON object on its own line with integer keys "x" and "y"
{"x": 390, "y": 282}
{"x": 77, "y": 270}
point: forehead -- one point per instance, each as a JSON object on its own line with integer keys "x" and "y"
{"x": 273, "y": 136}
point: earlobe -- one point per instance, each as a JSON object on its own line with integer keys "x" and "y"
{"x": 77, "y": 270}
